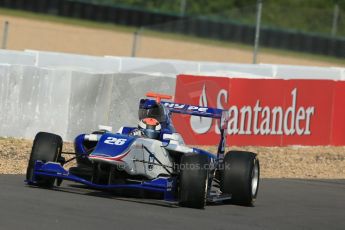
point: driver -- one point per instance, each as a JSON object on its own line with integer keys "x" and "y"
{"x": 148, "y": 127}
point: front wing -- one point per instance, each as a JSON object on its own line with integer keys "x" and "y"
{"x": 165, "y": 185}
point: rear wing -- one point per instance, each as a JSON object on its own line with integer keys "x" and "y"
{"x": 188, "y": 109}
{"x": 193, "y": 110}
{"x": 199, "y": 111}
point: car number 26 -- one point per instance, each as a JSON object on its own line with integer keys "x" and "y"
{"x": 115, "y": 141}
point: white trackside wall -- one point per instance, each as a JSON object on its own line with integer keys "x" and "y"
{"x": 70, "y": 94}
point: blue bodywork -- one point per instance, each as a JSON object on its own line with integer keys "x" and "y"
{"x": 165, "y": 185}
{"x": 109, "y": 150}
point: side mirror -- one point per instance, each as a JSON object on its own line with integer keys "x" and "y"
{"x": 174, "y": 138}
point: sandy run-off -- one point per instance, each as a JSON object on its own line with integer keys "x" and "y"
{"x": 287, "y": 162}
{"x": 51, "y": 36}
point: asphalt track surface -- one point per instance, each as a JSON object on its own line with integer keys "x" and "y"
{"x": 282, "y": 204}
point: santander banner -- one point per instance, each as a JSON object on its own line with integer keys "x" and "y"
{"x": 264, "y": 112}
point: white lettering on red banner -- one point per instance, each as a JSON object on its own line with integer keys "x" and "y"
{"x": 267, "y": 112}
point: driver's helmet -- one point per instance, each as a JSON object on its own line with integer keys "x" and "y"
{"x": 152, "y": 109}
{"x": 150, "y": 127}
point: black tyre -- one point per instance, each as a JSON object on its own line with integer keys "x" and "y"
{"x": 46, "y": 147}
{"x": 193, "y": 181}
{"x": 240, "y": 177}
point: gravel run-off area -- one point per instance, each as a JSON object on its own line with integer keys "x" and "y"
{"x": 276, "y": 162}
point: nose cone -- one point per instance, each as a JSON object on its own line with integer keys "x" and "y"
{"x": 112, "y": 147}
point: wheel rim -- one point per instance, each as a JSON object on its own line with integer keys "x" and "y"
{"x": 255, "y": 179}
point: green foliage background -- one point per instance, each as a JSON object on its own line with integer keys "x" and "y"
{"x": 313, "y": 16}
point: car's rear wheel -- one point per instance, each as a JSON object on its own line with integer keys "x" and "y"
{"x": 193, "y": 181}
{"x": 240, "y": 177}
{"x": 46, "y": 147}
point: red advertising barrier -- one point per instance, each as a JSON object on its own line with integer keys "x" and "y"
{"x": 264, "y": 112}
{"x": 338, "y": 115}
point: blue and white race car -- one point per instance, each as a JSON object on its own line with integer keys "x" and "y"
{"x": 152, "y": 159}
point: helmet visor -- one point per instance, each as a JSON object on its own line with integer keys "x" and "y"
{"x": 156, "y": 113}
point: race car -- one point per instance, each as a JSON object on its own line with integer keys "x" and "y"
{"x": 151, "y": 159}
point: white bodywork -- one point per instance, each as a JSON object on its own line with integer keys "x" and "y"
{"x": 145, "y": 156}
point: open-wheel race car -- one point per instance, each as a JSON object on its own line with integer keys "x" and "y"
{"x": 150, "y": 159}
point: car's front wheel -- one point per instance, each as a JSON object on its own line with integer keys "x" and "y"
{"x": 193, "y": 181}
{"x": 46, "y": 147}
